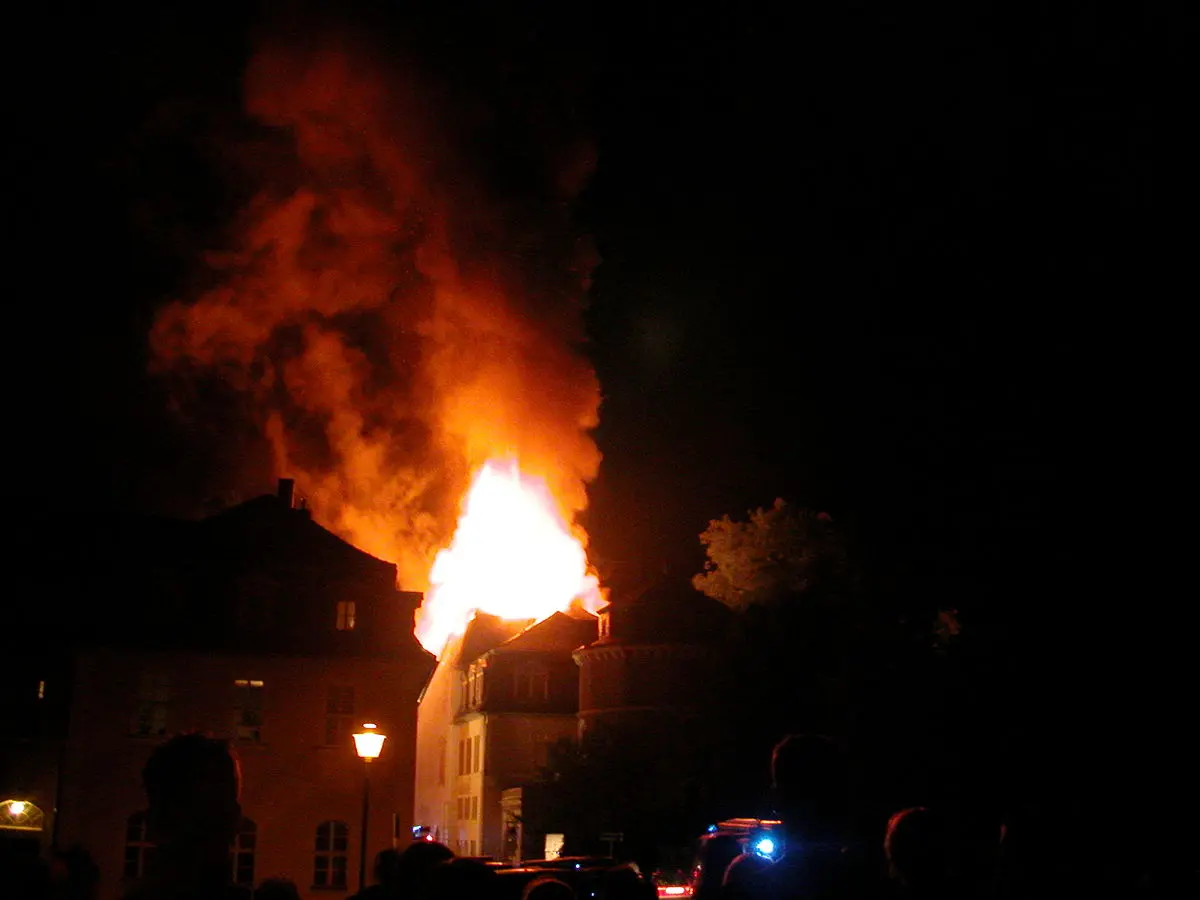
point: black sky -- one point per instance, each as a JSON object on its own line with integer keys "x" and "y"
{"x": 867, "y": 258}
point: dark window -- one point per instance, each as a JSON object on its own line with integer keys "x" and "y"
{"x": 329, "y": 863}
{"x": 138, "y": 849}
{"x": 441, "y": 762}
{"x": 242, "y": 853}
{"x": 345, "y": 615}
{"x": 531, "y": 682}
{"x": 248, "y": 709}
{"x": 150, "y": 714}
{"x": 339, "y": 715}
{"x": 475, "y": 755}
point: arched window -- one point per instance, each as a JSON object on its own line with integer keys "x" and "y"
{"x": 329, "y": 862}
{"x": 241, "y": 860}
{"x": 20, "y": 815}
{"x": 138, "y": 849}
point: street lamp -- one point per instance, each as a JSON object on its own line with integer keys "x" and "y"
{"x": 367, "y": 743}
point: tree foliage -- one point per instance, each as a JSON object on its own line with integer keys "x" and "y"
{"x": 776, "y": 553}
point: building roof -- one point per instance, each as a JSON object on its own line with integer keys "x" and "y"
{"x": 266, "y": 529}
{"x": 665, "y": 610}
{"x": 560, "y": 632}
{"x": 484, "y": 632}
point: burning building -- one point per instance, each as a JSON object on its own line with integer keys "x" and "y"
{"x": 647, "y": 669}
{"x": 503, "y": 695}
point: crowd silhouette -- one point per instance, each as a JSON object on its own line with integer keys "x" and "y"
{"x": 193, "y": 782}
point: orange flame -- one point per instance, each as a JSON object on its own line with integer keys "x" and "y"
{"x": 513, "y": 556}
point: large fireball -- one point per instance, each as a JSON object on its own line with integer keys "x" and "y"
{"x": 513, "y": 555}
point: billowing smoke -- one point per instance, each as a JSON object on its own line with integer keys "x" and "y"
{"x": 402, "y": 298}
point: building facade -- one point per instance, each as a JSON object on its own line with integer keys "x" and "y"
{"x": 262, "y": 627}
{"x": 503, "y": 696}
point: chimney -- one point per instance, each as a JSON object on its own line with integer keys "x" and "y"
{"x": 287, "y": 487}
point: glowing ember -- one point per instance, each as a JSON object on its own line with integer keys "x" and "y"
{"x": 513, "y": 556}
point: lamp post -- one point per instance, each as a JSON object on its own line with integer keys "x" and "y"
{"x": 367, "y": 743}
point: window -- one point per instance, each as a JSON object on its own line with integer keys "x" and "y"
{"x": 473, "y": 687}
{"x": 345, "y": 615}
{"x": 329, "y": 863}
{"x": 474, "y": 809}
{"x": 138, "y": 849}
{"x": 248, "y": 709}
{"x": 150, "y": 713}
{"x": 462, "y": 758}
{"x": 441, "y": 761}
{"x": 339, "y": 715}
{"x": 531, "y": 682}
{"x": 241, "y": 855}
{"x": 475, "y": 755}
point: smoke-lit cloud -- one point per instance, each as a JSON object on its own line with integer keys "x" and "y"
{"x": 402, "y": 297}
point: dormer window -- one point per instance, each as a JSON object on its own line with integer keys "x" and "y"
{"x": 345, "y": 615}
{"x": 531, "y": 682}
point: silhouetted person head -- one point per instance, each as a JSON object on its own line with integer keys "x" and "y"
{"x": 74, "y": 873}
{"x": 461, "y": 879}
{"x": 917, "y": 846}
{"x": 192, "y": 786}
{"x": 810, "y": 779}
{"x": 716, "y": 853}
{"x": 387, "y": 866}
{"x": 416, "y": 863}
{"x": 547, "y": 888}
{"x": 277, "y": 889}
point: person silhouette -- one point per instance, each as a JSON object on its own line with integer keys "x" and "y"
{"x": 810, "y": 781}
{"x": 548, "y": 888}
{"x": 193, "y": 786}
{"x": 461, "y": 879}
{"x": 917, "y": 846}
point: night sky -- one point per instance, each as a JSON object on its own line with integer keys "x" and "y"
{"x": 879, "y": 261}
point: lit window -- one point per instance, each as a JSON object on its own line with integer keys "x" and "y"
{"x": 329, "y": 862}
{"x": 339, "y": 715}
{"x": 41, "y": 690}
{"x": 345, "y": 615}
{"x": 241, "y": 855}
{"x": 153, "y": 700}
{"x": 138, "y": 849}
{"x": 248, "y": 709}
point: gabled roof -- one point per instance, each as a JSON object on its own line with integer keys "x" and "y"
{"x": 666, "y": 610}
{"x": 559, "y": 632}
{"x": 265, "y": 529}
{"x": 485, "y": 632}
